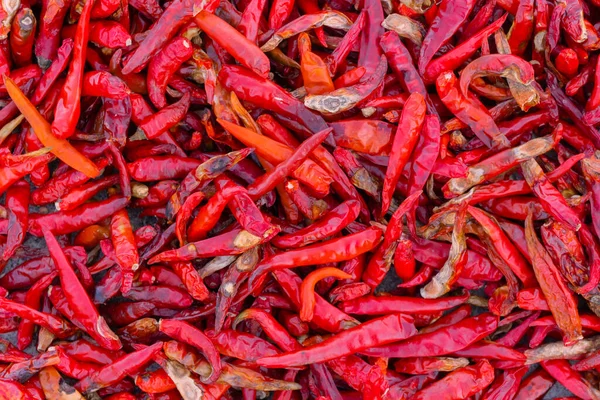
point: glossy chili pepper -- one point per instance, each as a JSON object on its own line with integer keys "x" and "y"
{"x": 332, "y": 251}
{"x": 447, "y": 20}
{"x": 162, "y": 67}
{"x": 68, "y": 107}
{"x": 119, "y": 369}
{"x": 172, "y": 19}
{"x": 83, "y": 309}
{"x": 376, "y": 332}
{"x": 443, "y": 341}
{"x": 61, "y": 148}
{"x": 23, "y": 36}
{"x": 406, "y": 138}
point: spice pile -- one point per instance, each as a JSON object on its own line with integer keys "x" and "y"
{"x": 389, "y": 199}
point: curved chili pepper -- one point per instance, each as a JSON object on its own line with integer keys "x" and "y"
{"x": 188, "y": 334}
{"x": 157, "y": 124}
{"x": 330, "y": 224}
{"x": 162, "y": 67}
{"x": 308, "y": 287}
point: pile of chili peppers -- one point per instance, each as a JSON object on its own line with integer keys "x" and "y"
{"x": 380, "y": 199}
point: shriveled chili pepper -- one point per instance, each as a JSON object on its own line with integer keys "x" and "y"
{"x": 560, "y": 299}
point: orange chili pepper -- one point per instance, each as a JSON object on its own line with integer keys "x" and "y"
{"x": 307, "y": 289}
{"x": 59, "y": 147}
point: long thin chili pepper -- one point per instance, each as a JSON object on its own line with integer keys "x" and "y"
{"x": 376, "y": 332}
{"x": 83, "y": 309}
{"x": 68, "y": 106}
{"x": 332, "y": 251}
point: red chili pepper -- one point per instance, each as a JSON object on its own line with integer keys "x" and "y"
{"x": 463, "y": 382}
{"x": 406, "y": 138}
{"x": 376, "y": 332}
{"x": 332, "y": 251}
{"x": 188, "y": 334}
{"x": 443, "y": 341}
{"x": 84, "y": 311}
{"x": 119, "y": 369}
{"x": 68, "y": 107}
{"x": 17, "y": 202}
{"x": 448, "y": 19}
{"x": 162, "y": 67}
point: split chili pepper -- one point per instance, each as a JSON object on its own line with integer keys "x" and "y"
{"x": 17, "y": 202}
{"x": 560, "y": 299}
